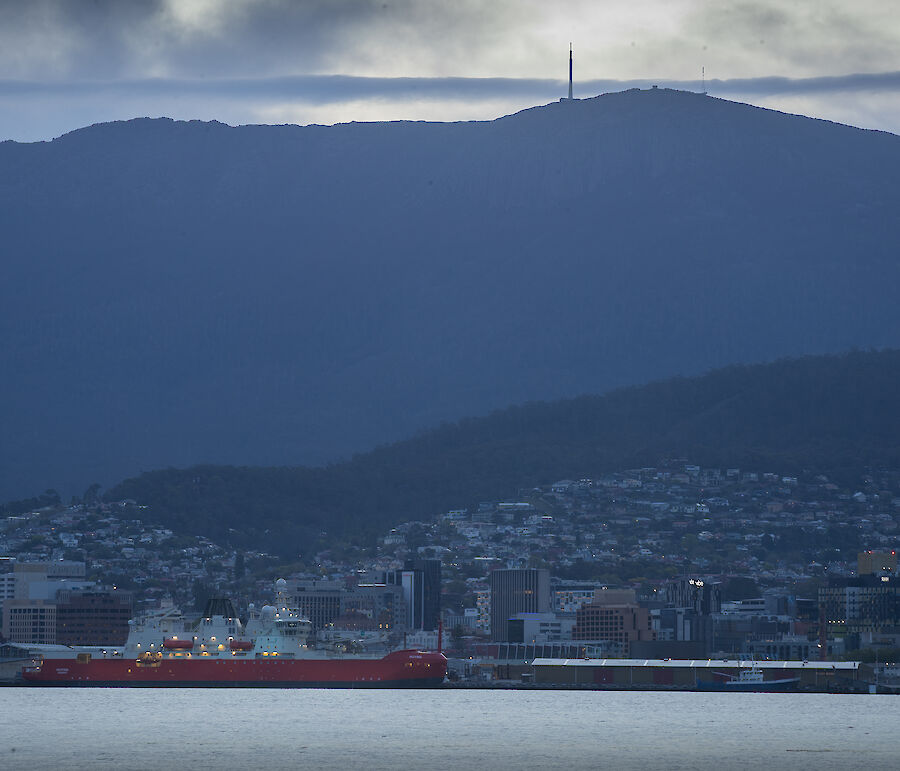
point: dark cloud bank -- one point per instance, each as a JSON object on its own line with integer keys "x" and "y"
{"x": 324, "y": 89}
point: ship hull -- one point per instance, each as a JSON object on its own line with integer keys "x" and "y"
{"x": 419, "y": 683}
{"x": 766, "y": 686}
{"x": 400, "y": 669}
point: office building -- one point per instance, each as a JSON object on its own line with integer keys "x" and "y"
{"x": 319, "y": 601}
{"x": 517, "y": 591}
{"x": 615, "y": 616}
{"x": 94, "y": 617}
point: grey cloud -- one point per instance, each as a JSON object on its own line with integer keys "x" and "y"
{"x": 869, "y": 82}
{"x": 118, "y": 38}
{"x": 797, "y": 35}
{"x": 138, "y": 39}
{"x": 306, "y": 88}
{"x": 53, "y": 37}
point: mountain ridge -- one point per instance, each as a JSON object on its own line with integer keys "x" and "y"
{"x": 186, "y": 292}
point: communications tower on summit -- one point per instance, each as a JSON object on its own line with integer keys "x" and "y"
{"x": 570, "y": 97}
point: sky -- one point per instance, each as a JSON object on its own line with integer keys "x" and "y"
{"x": 65, "y": 64}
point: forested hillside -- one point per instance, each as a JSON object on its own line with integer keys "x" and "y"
{"x": 836, "y": 414}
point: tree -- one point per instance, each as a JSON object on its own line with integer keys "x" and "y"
{"x": 92, "y": 494}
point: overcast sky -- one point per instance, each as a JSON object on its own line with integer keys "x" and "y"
{"x": 69, "y": 63}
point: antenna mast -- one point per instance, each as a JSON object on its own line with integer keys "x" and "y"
{"x": 570, "y": 72}
{"x": 703, "y": 75}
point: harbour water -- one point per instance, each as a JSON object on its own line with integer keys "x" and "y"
{"x": 281, "y": 729}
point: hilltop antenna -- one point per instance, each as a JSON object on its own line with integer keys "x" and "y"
{"x": 570, "y": 72}
{"x": 703, "y": 75}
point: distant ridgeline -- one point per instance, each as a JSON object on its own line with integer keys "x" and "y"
{"x": 185, "y": 292}
{"x": 834, "y": 414}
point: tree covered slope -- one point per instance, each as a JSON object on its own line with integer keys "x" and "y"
{"x": 836, "y": 414}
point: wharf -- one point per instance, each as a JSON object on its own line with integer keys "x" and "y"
{"x": 514, "y": 685}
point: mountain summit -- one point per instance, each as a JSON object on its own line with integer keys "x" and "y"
{"x": 176, "y": 293}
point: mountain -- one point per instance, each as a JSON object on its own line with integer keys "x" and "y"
{"x": 178, "y": 293}
{"x": 831, "y": 414}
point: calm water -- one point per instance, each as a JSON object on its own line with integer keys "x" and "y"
{"x": 302, "y": 729}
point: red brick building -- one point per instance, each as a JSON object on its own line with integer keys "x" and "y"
{"x": 614, "y": 615}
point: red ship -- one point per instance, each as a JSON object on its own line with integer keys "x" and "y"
{"x": 283, "y": 653}
{"x": 399, "y": 669}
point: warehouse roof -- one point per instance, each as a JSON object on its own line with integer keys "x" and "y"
{"x": 698, "y": 663}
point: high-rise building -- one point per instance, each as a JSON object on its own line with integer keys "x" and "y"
{"x": 427, "y": 601}
{"x": 94, "y": 617}
{"x": 865, "y": 604}
{"x": 517, "y": 591}
{"x": 420, "y": 580}
{"x": 413, "y": 583}
{"x": 319, "y": 601}
{"x": 614, "y": 615}
{"x": 384, "y": 604}
{"x": 702, "y": 596}
{"x": 29, "y": 621}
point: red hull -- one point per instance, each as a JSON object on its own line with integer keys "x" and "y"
{"x": 396, "y": 670}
